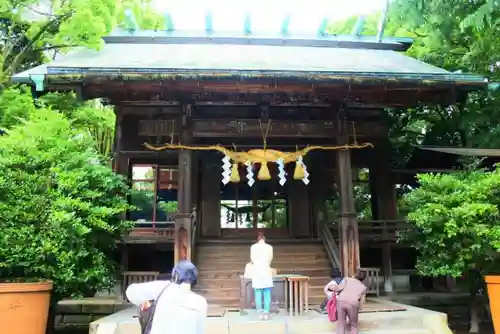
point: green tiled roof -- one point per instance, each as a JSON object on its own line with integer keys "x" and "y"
{"x": 311, "y": 63}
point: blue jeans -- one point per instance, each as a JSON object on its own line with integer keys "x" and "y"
{"x": 259, "y": 293}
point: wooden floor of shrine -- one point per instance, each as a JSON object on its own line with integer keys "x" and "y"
{"x": 378, "y": 316}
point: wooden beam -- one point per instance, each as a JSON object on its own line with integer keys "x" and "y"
{"x": 385, "y": 94}
{"x": 234, "y": 128}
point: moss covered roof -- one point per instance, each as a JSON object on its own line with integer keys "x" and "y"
{"x": 155, "y": 60}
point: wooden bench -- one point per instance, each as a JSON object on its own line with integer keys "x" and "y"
{"x": 290, "y": 292}
{"x": 297, "y": 294}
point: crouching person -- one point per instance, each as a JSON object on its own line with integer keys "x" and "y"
{"x": 328, "y": 289}
{"x": 352, "y": 292}
{"x": 171, "y": 306}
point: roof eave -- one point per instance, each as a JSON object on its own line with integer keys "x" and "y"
{"x": 317, "y": 76}
{"x": 38, "y": 76}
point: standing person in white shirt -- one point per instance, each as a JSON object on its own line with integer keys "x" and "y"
{"x": 178, "y": 309}
{"x": 261, "y": 255}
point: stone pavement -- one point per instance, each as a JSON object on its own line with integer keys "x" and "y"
{"x": 414, "y": 320}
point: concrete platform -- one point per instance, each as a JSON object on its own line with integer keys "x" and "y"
{"x": 412, "y": 320}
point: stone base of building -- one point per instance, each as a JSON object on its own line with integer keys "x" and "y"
{"x": 396, "y": 319}
{"x": 81, "y": 312}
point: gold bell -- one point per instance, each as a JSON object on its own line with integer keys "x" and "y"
{"x": 264, "y": 172}
{"x": 298, "y": 174}
{"x": 235, "y": 174}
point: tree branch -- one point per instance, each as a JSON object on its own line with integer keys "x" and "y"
{"x": 55, "y": 47}
{"x": 41, "y": 13}
{"x": 18, "y": 58}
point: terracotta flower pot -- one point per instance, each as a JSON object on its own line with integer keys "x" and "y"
{"x": 493, "y": 283}
{"x": 24, "y": 307}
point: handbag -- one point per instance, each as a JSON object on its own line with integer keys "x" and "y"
{"x": 331, "y": 308}
{"x": 147, "y": 312}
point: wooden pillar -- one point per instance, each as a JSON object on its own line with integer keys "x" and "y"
{"x": 321, "y": 179}
{"x": 210, "y": 195}
{"x": 348, "y": 223}
{"x": 121, "y": 166}
{"x": 384, "y": 193}
{"x": 298, "y": 209}
{"x": 182, "y": 248}
{"x": 255, "y": 211}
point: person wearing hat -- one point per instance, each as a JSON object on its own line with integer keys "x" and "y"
{"x": 177, "y": 308}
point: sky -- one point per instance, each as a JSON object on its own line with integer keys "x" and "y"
{"x": 267, "y": 15}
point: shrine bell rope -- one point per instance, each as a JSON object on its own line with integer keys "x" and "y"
{"x": 232, "y": 159}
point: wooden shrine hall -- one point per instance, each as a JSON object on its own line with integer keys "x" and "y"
{"x": 223, "y": 135}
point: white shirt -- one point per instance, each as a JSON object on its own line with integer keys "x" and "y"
{"x": 178, "y": 310}
{"x": 261, "y": 255}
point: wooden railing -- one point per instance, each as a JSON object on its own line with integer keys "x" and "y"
{"x": 372, "y": 281}
{"x": 152, "y": 232}
{"x": 161, "y": 232}
{"x": 130, "y": 277}
{"x": 375, "y": 230}
{"x": 331, "y": 247}
{"x": 193, "y": 238}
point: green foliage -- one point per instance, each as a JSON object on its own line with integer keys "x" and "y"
{"x": 459, "y": 36}
{"x": 60, "y": 206}
{"x": 99, "y": 121}
{"x": 16, "y": 104}
{"x": 146, "y": 17}
{"x": 34, "y": 27}
{"x": 33, "y": 30}
{"x": 457, "y": 222}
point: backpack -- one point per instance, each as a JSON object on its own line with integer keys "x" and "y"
{"x": 147, "y": 312}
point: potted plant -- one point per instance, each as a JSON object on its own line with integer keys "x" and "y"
{"x": 456, "y": 231}
{"x": 59, "y": 219}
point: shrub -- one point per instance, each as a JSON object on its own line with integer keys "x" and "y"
{"x": 60, "y": 207}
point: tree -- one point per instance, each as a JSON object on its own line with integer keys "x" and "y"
{"x": 32, "y": 31}
{"x": 456, "y": 217}
{"x": 459, "y": 36}
{"x": 60, "y": 208}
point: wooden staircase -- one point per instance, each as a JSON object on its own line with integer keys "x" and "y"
{"x": 221, "y": 264}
